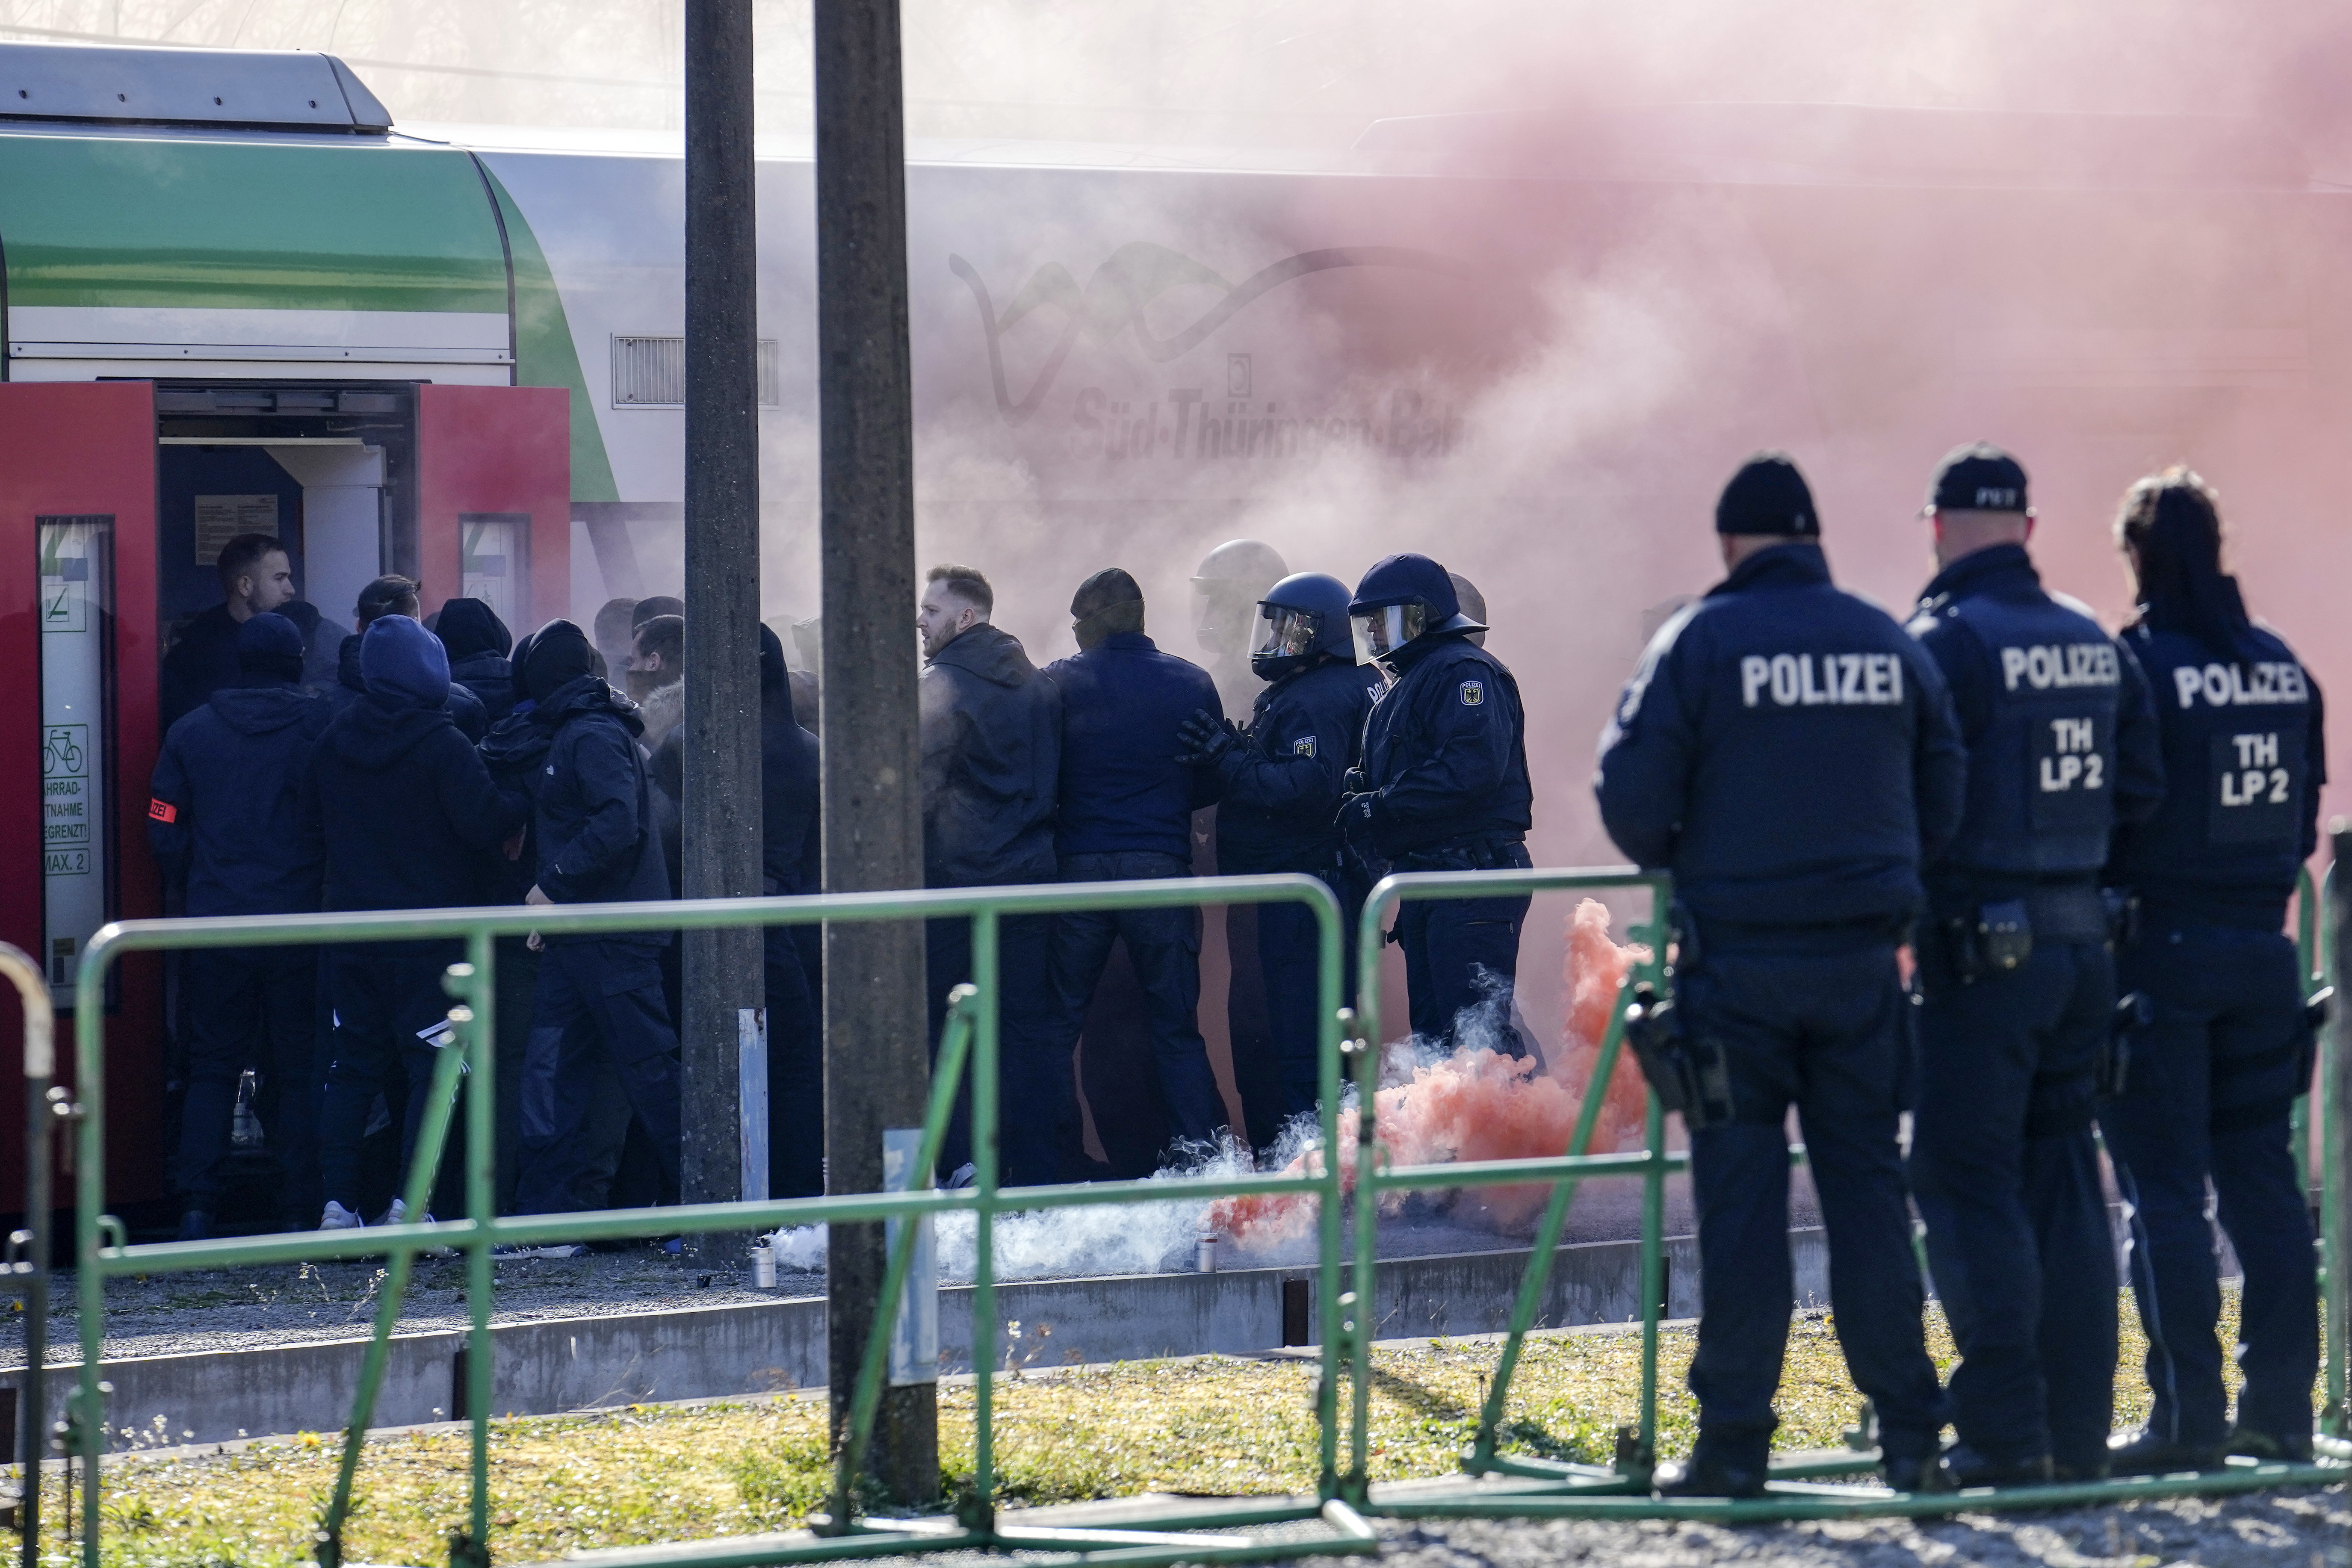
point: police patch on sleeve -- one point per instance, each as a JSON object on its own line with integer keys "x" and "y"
{"x": 1303, "y": 746}
{"x": 1474, "y": 693}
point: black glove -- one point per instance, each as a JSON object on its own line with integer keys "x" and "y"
{"x": 1356, "y": 819}
{"x": 1206, "y": 738}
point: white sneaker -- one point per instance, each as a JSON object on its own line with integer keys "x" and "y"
{"x": 397, "y": 1215}
{"x": 338, "y": 1217}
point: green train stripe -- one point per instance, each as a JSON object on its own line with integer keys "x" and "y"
{"x": 545, "y": 355}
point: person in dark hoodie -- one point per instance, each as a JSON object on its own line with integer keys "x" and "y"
{"x": 1127, "y": 808}
{"x": 393, "y": 594}
{"x": 477, "y": 642}
{"x": 408, "y": 813}
{"x": 227, "y": 785}
{"x": 992, "y": 749}
{"x": 790, "y": 845}
{"x": 257, "y": 575}
{"x": 597, "y": 844}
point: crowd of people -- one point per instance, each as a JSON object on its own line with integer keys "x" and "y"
{"x": 1958, "y": 893}
{"x": 445, "y": 765}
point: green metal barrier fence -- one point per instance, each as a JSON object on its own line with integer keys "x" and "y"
{"x": 1500, "y": 1484}
{"x": 1235, "y": 1530}
{"x": 1801, "y": 1485}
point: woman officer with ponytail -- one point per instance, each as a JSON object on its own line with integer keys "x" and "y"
{"x": 2210, "y": 1076}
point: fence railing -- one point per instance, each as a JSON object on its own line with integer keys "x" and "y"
{"x": 970, "y": 1044}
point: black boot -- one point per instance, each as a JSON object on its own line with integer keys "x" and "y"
{"x": 1708, "y": 1476}
{"x": 2272, "y": 1447}
{"x": 195, "y": 1225}
{"x": 1964, "y": 1467}
{"x": 1912, "y": 1473}
{"x": 2147, "y": 1453}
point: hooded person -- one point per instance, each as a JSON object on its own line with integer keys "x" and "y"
{"x": 1126, "y": 814}
{"x": 477, "y": 643}
{"x": 991, "y": 730}
{"x": 225, "y": 820}
{"x": 598, "y": 995}
{"x": 408, "y": 815}
{"x": 393, "y": 594}
{"x": 790, "y": 850}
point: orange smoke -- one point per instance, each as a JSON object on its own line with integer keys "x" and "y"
{"x": 1478, "y": 1105}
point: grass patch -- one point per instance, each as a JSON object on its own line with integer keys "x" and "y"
{"x": 1211, "y": 1425}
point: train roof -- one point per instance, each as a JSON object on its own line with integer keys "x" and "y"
{"x": 266, "y": 90}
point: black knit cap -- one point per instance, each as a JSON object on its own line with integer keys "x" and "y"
{"x": 1979, "y": 477}
{"x": 560, "y": 654}
{"x": 1768, "y": 496}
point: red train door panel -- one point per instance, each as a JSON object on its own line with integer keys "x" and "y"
{"x": 78, "y": 636}
{"x": 494, "y": 498}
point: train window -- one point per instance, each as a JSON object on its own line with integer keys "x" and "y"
{"x": 494, "y": 561}
{"x": 77, "y": 611}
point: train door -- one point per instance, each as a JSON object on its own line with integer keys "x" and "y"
{"x": 78, "y": 739}
{"x": 494, "y": 498}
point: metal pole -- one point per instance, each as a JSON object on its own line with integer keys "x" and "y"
{"x": 722, "y": 971}
{"x": 2336, "y": 1164}
{"x": 877, "y": 1060}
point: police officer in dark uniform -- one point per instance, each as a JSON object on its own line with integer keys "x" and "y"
{"x": 1282, "y": 777}
{"x": 1442, "y": 787}
{"x": 2210, "y": 1078}
{"x": 1791, "y": 756}
{"x": 2017, "y": 980}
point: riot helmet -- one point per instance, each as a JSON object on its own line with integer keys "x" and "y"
{"x": 1401, "y": 598}
{"x": 1302, "y": 618}
{"x": 1226, "y": 588}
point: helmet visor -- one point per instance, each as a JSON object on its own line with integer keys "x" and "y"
{"x": 1380, "y": 632}
{"x": 1285, "y": 632}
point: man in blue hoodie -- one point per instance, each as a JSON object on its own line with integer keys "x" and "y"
{"x": 1127, "y": 808}
{"x": 227, "y": 783}
{"x": 409, "y": 815}
{"x": 592, "y": 817}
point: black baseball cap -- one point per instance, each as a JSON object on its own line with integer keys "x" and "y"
{"x": 1979, "y": 477}
{"x": 1768, "y": 496}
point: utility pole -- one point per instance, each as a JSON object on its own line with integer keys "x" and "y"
{"x": 724, "y": 982}
{"x": 877, "y": 1064}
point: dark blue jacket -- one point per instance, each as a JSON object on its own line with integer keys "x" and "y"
{"x": 515, "y": 750}
{"x": 226, "y": 807}
{"x": 465, "y": 708}
{"x": 1122, "y": 789}
{"x": 991, "y": 736}
{"x": 409, "y": 815}
{"x": 2244, "y": 757}
{"x": 1445, "y": 752}
{"x": 791, "y": 842}
{"x": 202, "y": 661}
{"x": 477, "y": 643}
{"x": 1786, "y": 751}
{"x": 2062, "y": 738}
{"x": 1283, "y": 781}
{"x": 593, "y": 816}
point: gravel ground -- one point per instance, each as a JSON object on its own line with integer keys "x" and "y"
{"x": 2277, "y": 1530}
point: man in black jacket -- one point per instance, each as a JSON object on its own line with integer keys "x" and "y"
{"x": 393, "y": 594}
{"x": 228, "y": 782}
{"x": 789, "y": 849}
{"x": 477, "y": 642}
{"x": 594, "y": 821}
{"x": 408, "y": 813}
{"x": 257, "y": 575}
{"x": 991, "y": 748}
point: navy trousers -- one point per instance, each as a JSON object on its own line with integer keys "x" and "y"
{"x": 382, "y": 994}
{"x": 2211, "y": 1080}
{"x": 796, "y": 1072}
{"x": 252, "y": 1008}
{"x": 595, "y": 997}
{"x": 1165, "y": 946}
{"x": 1038, "y": 1103}
{"x": 1462, "y": 954}
{"x": 2006, "y": 1175}
{"x": 1819, "y": 1025}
